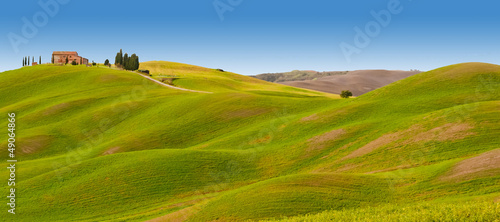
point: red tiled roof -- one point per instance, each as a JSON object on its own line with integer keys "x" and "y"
{"x": 64, "y": 53}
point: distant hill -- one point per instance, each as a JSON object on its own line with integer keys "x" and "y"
{"x": 296, "y": 75}
{"x": 358, "y": 82}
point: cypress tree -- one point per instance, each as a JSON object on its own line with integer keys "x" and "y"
{"x": 67, "y": 60}
{"x": 52, "y": 58}
{"x": 137, "y": 62}
{"x": 32, "y": 60}
{"x": 23, "y": 61}
{"x": 28, "y": 60}
{"x": 125, "y": 62}
{"x": 116, "y": 58}
{"x": 40, "y": 60}
{"x": 119, "y": 58}
{"x": 131, "y": 62}
{"x": 134, "y": 62}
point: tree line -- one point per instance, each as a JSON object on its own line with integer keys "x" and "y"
{"x": 26, "y": 60}
{"x": 126, "y": 62}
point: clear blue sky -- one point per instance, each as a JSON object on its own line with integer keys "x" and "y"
{"x": 258, "y": 35}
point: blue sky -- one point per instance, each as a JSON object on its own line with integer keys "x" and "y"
{"x": 257, "y": 36}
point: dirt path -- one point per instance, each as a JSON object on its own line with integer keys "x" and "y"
{"x": 167, "y": 85}
{"x": 161, "y": 83}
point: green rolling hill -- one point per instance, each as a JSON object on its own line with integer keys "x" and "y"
{"x": 98, "y": 144}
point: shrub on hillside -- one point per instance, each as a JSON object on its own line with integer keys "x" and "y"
{"x": 346, "y": 94}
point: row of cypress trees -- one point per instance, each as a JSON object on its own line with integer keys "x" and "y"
{"x": 26, "y": 60}
{"x": 126, "y": 62}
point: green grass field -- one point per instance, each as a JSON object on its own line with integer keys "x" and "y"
{"x": 428, "y": 211}
{"x": 99, "y": 144}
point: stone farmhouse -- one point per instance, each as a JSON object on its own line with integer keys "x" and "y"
{"x": 59, "y": 57}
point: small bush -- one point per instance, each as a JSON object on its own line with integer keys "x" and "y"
{"x": 74, "y": 63}
{"x": 346, "y": 94}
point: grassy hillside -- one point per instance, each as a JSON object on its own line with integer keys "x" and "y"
{"x": 75, "y": 120}
{"x": 98, "y": 144}
{"x": 411, "y": 135}
{"x": 213, "y": 80}
{"x": 470, "y": 211}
